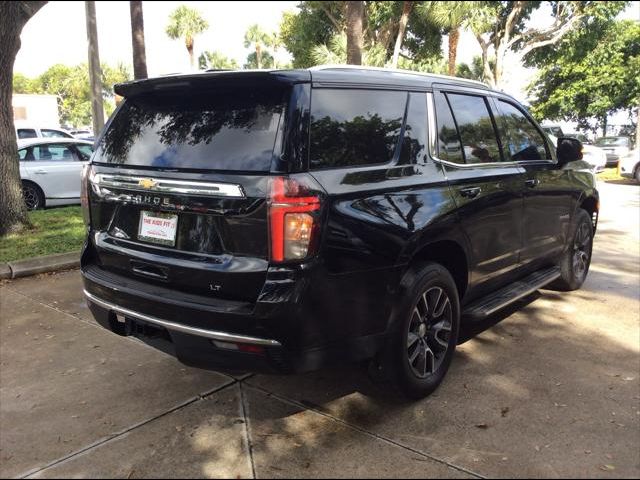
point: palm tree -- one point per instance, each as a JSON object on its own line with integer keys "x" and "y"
{"x": 258, "y": 38}
{"x": 355, "y": 36}
{"x": 137, "y": 40}
{"x": 404, "y": 19}
{"x": 274, "y": 42}
{"x": 186, "y": 23}
{"x": 452, "y": 16}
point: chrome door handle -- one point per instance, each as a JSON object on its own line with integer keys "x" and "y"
{"x": 532, "y": 182}
{"x": 40, "y": 172}
{"x": 470, "y": 192}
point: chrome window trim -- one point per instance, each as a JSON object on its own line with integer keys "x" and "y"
{"x": 162, "y": 185}
{"x": 200, "y": 332}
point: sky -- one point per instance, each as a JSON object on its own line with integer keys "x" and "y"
{"x": 57, "y": 34}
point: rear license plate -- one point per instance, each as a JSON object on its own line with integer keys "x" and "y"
{"x": 158, "y": 228}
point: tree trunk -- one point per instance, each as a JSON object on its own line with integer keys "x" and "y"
{"x": 137, "y": 40}
{"x": 404, "y": 19}
{"x": 258, "y": 55}
{"x": 637, "y": 146}
{"x": 454, "y": 37}
{"x": 13, "y": 212}
{"x": 355, "y": 16}
{"x": 604, "y": 126}
{"x": 95, "y": 72}
{"x": 188, "y": 42}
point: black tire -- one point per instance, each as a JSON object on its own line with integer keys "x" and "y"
{"x": 636, "y": 173}
{"x": 428, "y": 307}
{"x": 575, "y": 262}
{"x": 33, "y": 196}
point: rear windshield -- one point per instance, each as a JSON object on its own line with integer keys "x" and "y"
{"x": 224, "y": 130}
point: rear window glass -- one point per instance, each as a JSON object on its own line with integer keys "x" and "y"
{"x": 222, "y": 130}
{"x": 354, "y": 127}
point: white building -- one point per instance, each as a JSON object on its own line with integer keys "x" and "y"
{"x": 36, "y": 109}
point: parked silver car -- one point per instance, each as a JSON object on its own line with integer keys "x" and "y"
{"x": 50, "y": 169}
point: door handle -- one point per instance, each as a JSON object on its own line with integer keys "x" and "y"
{"x": 532, "y": 182}
{"x": 470, "y": 192}
{"x": 40, "y": 172}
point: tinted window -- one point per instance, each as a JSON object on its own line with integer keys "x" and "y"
{"x": 449, "y": 147}
{"x": 476, "y": 130}
{"x": 354, "y": 127}
{"x": 225, "y": 130}
{"x": 51, "y": 152}
{"x": 522, "y": 140}
{"x": 85, "y": 151}
{"x": 27, "y": 133}
{"x": 414, "y": 142}
{"x": 54, "y": 133}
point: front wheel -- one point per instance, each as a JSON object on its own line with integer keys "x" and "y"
{"x": 426, "y": 332}
{"x": 575, "y": 262}
{"x": 33, "y": 196}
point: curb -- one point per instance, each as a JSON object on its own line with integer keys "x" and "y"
{"x": 33, "y": 266}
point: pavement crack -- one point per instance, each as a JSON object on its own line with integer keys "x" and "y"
{"x": 111, "y": 437}
{"x": 247, "y": 429}
{"x": 364, "y": 432}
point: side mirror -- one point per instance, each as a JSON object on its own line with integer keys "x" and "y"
{"x": 568, "y": 150}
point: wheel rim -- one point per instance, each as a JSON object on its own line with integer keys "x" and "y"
{"x": 31, "y": 198}
{"x": 581, "y": 251}
{"x": 429, "y": 332}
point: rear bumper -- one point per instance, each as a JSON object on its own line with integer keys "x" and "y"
{"x": 227, "y": 336}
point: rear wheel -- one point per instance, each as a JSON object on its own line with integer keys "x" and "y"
{"x": 426, "y": 332}
{"x": 574, "y": 265}
{"x": 636, "y": 174}
{"x": 33, "y": 196}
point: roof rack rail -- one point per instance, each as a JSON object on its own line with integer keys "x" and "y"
{"x": 395, "y": 70}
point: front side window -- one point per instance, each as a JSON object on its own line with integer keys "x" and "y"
{"x": 27, "y": 133}
{"x": 521, "y": 138}
{"x": 475, "y": 126}
{"x": 85, "y": 151}
{"x": 354, "y": 127}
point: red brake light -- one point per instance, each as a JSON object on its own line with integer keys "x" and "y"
{"x": 293, "y": 219}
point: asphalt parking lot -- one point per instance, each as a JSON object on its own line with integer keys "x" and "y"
{"x": 548, "y": 389}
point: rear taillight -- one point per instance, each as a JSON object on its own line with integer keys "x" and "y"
{"x": 84, "y": 193}
{"x": 294, "y": 218}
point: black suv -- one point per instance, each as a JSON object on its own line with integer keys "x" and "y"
{"x": 280, "y": 220}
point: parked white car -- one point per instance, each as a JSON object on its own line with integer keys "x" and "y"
{"x": 50, "y": 169}
{"x": 594, "y": 156}
{"x": 630, "y": 165}
{"x": 31, "y": 131}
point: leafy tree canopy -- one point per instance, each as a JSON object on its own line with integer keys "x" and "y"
{"x": 318, "y": 24}
{"x": 587, "y": 78}
{"x": 214, "y": 59}
{"x": 71, "y": 85}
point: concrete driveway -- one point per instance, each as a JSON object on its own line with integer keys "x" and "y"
{"x": 548, "y": 389}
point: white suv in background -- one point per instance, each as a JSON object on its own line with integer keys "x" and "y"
{"x": 29, "y": 131}
{"x": 630, "y": 165}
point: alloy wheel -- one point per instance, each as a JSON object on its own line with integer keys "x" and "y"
{"x": 429, "y": 332}
{"x": 581, "y": 251}
{"x": 31, "y": 197}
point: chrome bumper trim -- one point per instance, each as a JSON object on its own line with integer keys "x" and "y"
{"x": 200, "y": 332}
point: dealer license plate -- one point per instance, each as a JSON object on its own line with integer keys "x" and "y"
{"x": 158, "y": 228}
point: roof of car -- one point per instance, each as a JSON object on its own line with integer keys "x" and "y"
{"x": 28, "y": 142}
{"x": 321, "y": 75}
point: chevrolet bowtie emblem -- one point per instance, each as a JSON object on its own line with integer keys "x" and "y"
{"x": 147, "y": 183}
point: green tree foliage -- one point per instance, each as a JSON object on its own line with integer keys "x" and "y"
{"x": 266, "y": 60}
{"x": 185, "y": 22}
{"x": 593, "y": 73}
{"x": 71, "y": 85}
{"x": 503, "y": 26}
{"x": 214, "y": 59}
{"x": 321, "y": 24}
{"x": 257, "y": 39}
{"x": 473, "y": 70}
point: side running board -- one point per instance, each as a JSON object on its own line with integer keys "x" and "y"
{"x": 499, "y": 299}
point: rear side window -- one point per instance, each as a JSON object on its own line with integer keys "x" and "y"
{"x": 449, "y": 147}
{"x": 414, "y": 142}
{"x": 54, "y": 152}
{"x": 27, "y": 133}
{"x": 354, "y": 127}
{"x": 522, "y": 139}
{"x": 475, "y": 126}
{"x": 221, "y": 130}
